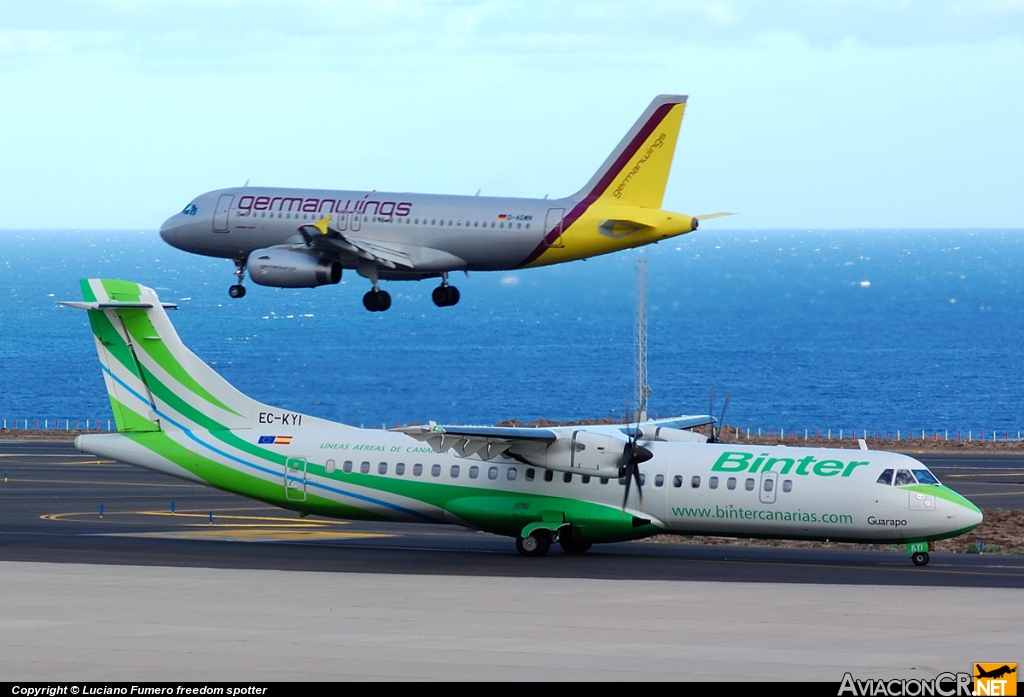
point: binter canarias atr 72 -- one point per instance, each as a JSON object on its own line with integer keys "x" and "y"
{"x": 574, "y": 486}
{"x": 297, "y": 238}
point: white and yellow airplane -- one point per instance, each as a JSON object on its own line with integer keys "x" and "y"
{"x": 297, "y": 238}
{"x": 539, "y": 486}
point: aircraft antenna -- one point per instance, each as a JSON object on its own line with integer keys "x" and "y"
{"x": 641, "y": 388}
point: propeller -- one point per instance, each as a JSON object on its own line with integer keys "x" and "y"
{"x": 633, "y": 454}
{"x": 716, "y": 428}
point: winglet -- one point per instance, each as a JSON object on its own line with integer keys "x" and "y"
{"x": 321, "y": 224}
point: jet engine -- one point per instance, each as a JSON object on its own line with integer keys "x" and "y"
{"x": 287, "y": 268}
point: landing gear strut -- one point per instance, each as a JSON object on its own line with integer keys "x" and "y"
{"x": 238, "y": 290}
{"x": 376, "y": 300}
{"x": 445, "y": 295}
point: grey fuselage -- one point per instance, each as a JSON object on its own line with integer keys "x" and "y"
{"x": 440, "y": 233}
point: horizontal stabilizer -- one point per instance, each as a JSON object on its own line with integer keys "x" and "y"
{"x": 709, "y": 216}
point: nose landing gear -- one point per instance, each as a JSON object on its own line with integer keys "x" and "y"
{"x": 445, "y": 295}
{"x": 238, "y": 290}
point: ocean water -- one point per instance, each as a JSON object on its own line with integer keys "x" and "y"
{"x": 819, "y": 329}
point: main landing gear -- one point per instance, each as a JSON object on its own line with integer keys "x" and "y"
{"x": 919, "y": 558}
{"x": 377, "y": 300}
{"x": 238, "y": 290}
{"x": 445, "y": 295}
{"x": 539, "y": 543}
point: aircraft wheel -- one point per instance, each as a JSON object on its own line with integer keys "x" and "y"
{"x": 237, "y": 291}
{"x": 536, "y": 545}
{"x": 919, "y": 558}
{"x": 445, "y": 296}
{"x": 574, "y": 547}
{"x": 377, "y": 300}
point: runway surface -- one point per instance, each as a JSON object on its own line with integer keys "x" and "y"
{"x": 50, "y": 512}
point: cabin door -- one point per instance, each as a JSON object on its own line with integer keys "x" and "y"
{"x": 295, "y": 479}
{"x": 220, "y": 214}
{"x": 553, "y": 227}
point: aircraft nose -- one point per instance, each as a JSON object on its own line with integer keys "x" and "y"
{"x": 171, "y": 230}
{"x": 968, "y": 517}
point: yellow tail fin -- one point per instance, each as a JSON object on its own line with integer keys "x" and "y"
{"x": 637, "y": 170}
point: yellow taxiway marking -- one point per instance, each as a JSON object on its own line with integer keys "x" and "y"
{"x": 234, "y": 534}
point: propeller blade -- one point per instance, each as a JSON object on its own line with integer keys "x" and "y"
{"x": 639, "y": 485}
{"x": 625, "y": 496}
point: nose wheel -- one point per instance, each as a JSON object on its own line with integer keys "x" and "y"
{"x": 238, "y": 290}
{"x": 445, "y": 295}
{"x": 377, "y": 300}
{"x": 919, "y": 558}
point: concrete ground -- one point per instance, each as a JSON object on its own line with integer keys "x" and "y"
{"x": 97, "y": 622}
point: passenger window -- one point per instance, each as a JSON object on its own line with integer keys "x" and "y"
{"x": 659, "y": 480}
{"x": 787, "y": 485}
{"x": 417, "y": 470}
{"x": 749, "y": 485}
{"x": 643, "y": 479}
{"x": 511, "y": 474}
{"x": 677, "y": 481}
{"x": 695, "y": 482}
{"x": 474, "y": 472}
{"x": 769, "y": 484}
{"x": 454, "y": 472}
{"x": 730, "y": 483}
{"x": 567, "y": 477}
{"x": 622, "y": 481}
{"x": 492, "y": 473}
{"x": 530, "y": 473}
{"x": 925, "y": 477}
{"x": 586, "y": 479}
{"x": 330, "y": 467}
{"x": 712, "y": 482}
{"x": 382, "y": 468}
{"x": 400, "y": 469}
{"x": 904, "y": 477}
{"x": 346, "y": 466}
{"x": 604, "y": 480}
{"x": 549, "y": 476}
{"x": 885, "y": 478}
{"x": 435, "y": 470}
{"x": 364, "y": 467}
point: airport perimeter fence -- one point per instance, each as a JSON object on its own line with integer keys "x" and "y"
{"x": 738, "y": 434}
{"x": 793, "y": 434}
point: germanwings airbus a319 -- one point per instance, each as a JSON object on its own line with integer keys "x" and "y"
{"x": 299, "y": 238}
{"x": 571, "y": 486}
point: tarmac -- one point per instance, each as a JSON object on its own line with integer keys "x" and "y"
{"x": 256, "y": 593}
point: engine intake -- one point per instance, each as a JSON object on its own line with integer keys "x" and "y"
{"x": 287, "y": 268}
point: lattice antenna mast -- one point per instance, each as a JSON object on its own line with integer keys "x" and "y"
{"x": 640, "y": 387}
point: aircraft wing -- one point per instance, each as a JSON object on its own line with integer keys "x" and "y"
{"x": 381, "y": 253}
{"x": 487, "y": 442}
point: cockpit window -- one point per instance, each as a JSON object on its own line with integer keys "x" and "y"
{"x": 904, "y": 477}
{"x": 190, "y": 209}
{"x": 925, "y": 477}
{"x": 885, "y": 478}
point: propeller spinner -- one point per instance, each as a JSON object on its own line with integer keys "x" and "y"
{"x": 633, "y": 454}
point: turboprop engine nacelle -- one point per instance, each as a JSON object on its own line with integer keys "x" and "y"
{"x": 583, "y": 453}
{"x": 287, "y": 268}
{"x": 675, "y": 435}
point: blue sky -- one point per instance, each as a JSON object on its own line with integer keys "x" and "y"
{"x": 829, "y": 114}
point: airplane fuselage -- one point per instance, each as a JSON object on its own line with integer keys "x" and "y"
{"x": 691, "y": 488}
{"x": 439, "y": 233}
